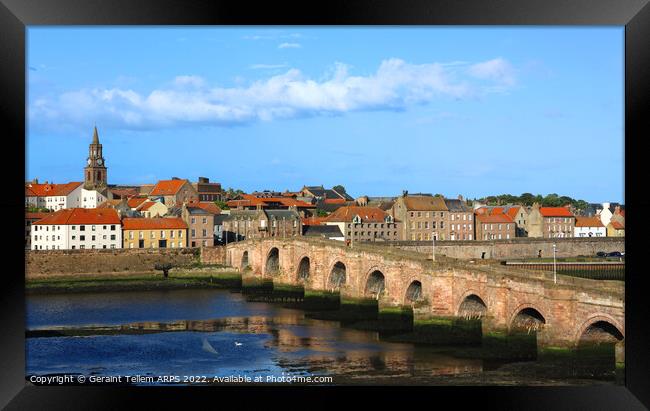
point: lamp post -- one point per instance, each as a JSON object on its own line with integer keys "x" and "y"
{"x": 554, "y": 265}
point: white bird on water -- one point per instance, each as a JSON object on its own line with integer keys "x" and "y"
{"x": 238, "y": 343}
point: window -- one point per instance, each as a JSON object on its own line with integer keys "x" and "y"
{"x": 442, "y": 224}
{"x": 93, "y": 228}
{"x": 82, "y": 238}
{"x": 112, "y": 236}
{"x": 194, "y": 233}
{"x": 433, "y": 225}
{"x": 74, "y": 237}
{"x": 113, "y": 227}
{"x": 130, "y": 235}
{"x": 171, "y": 234}
{"x": 93, "y": 238}
{"x": 192, "y": 220}
{"x": 180, "y": 234}
{"x": 152, "y": 235}
{"x": 141, "y": 236}
{"x": 104, "y": 237}
{"x": 104, "y": 227}
{"x": 162, "y": 234}
{"x": 73, "y": 247}
{"x": 82, "y": 228}
{"x": 112, "y": 245}
{"x": 82, "y": 247}
{"x": 452, "y": 217}
{"x": 205, "y": 220}
{"x": 426, "y": 224}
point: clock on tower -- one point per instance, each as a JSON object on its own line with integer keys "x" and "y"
{"x": 95, "y": 176}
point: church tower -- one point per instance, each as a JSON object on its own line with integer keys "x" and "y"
{"x": 95, "y": 176}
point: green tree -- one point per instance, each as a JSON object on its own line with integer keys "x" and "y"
{"x": 321, "y": 213}
{"x": 222, "y": 205}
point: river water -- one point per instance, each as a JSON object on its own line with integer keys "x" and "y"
{"x": 196, "y": 335}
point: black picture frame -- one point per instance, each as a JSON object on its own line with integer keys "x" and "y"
{"x": 15, "y": 15}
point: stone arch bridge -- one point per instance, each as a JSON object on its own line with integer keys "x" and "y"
{"x": 563, "y": 313}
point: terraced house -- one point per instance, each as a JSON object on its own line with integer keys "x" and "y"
{"x": 550, "y": 222}
{"x": 461, "y": 219}
{"x": 173, "y": 192}
{"x": 365, "y": 224}
{"x": 77, "y": 228}
{"x": 498, "y": 226}
{"x": 154, "y": 232}
{"x": 423, "y": 217}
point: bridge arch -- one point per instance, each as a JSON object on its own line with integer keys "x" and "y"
{"x": 599, "y": 328}
{"x": 337, "y": 276}
{"x": 304, "y": 268}
{"x": 472, "y": 305}
{"x": 272, "y": 266}
{"x": 527, "y": 317}
{"x": 375, "y": 284}
{"x": 244, "y": 260}
{"x": 414, "y": 292}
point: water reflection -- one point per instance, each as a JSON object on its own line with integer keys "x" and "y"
{"x": 222, "y": 334}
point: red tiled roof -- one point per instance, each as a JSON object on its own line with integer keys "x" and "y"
{"x": 313, "y": 220}
{"x": 36, "y": 216}
{"x": 82, "y": 216}
{"x": 335, "y": 201}
{"x": 167, "y": 187}
{"x": 146, "y": 205}
{"x": 134, "y": 202}
{"x": 588, "y": 222}
{"x": 512, "y": 212}
{"x": 153, "y": 223}
{"x": 555, "y": 212}
{"x": 208, "y": 206}
{"x": 617, "y": 225}
{"x": 125, "y": 192}
{"x": 493, "y": 218}
{"x": 44, "y": 190}
{"x": 367, "y": 214}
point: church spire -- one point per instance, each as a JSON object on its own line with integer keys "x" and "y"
{"x": 95, "y": 136}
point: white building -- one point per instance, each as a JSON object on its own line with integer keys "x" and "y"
{"x": 92, "y": 198}
{"x": 589, "y": 227}
{"x": 78, "y": 228}
{"x": 53, "y": 196}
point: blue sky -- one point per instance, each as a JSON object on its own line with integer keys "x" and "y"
{"x": 451, "y": 110}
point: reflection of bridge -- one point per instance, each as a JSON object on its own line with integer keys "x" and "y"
{"x": 505, "y": 298}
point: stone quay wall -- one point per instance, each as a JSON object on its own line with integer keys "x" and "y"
{"x": 104, "y": 261}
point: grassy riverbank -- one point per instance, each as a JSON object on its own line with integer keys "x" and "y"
{"x": 134, "y": 282}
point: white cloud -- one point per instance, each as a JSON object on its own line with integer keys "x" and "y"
{"x": 289, "y": 46}
{"x": 395, "y": 85}
{"x": 498, "y": 70}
